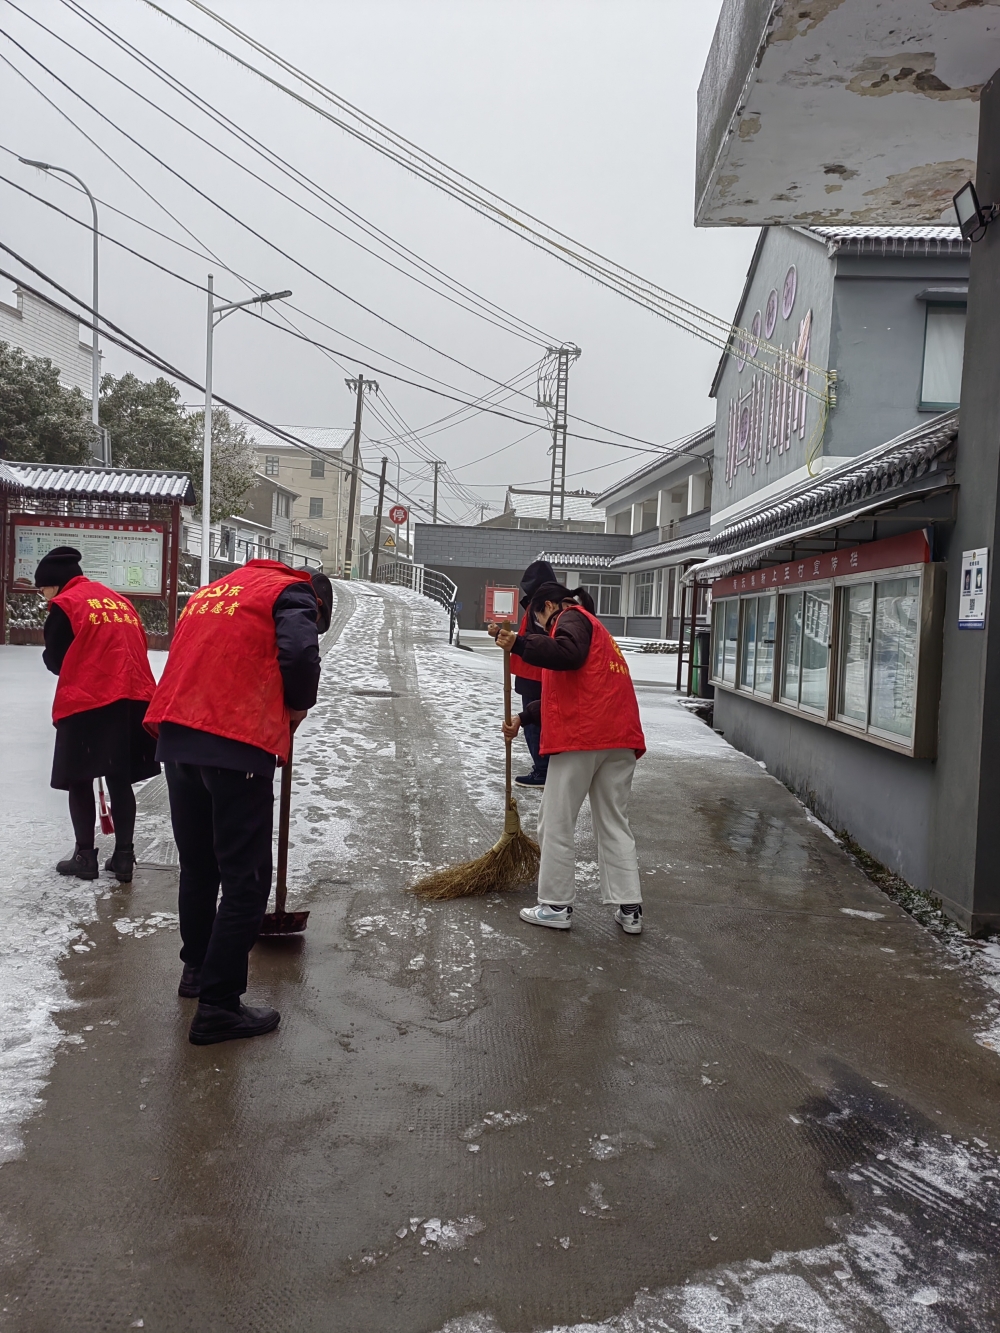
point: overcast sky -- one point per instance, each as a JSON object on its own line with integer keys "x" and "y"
{"x": 581, "y": 113}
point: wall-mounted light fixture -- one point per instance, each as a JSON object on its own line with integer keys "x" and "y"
{"x": 973, "y": 217}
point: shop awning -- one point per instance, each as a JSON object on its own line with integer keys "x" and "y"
{"x": 911, "y": 467}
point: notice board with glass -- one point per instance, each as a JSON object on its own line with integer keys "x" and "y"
{"x": 851, "y": 640}
{"x": 126, "y": 557}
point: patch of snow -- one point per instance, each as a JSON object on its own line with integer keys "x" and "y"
{"x": 451, "y": 1235}
{"x": 140, "y": 927}
{"x": 867, "y": 916}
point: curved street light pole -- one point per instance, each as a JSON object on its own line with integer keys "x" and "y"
{"x": 95, "y": 385}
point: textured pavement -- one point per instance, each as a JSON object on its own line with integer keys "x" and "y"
{"x": 767, "y": 1112}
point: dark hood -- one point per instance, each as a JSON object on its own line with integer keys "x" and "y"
{"x": 535, "y": 576}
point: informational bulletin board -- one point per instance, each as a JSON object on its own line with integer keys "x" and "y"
{"x": 126, "y": 557}
{"x": 972, "y": 607}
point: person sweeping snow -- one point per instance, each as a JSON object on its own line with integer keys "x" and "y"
{"x": 591, "y": 732}
{"x": 528, "y": 678}
{"x": 95, "y": 643}
{"x": 243, "y": 670}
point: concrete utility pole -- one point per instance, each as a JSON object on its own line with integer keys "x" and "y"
{"x": 361, "y": 386}
{"x": 378, "y": 520}
{"x": 216, "y": 314}
{"x": 437, "y": 468}
{"x": 553, "y": 394}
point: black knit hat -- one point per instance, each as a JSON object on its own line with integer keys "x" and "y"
{"x": 323, "y": 589}
{"x": 537, "y": 573}
{"x": 57, "y": 568}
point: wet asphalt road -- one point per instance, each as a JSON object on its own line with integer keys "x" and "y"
{"x": 464, "y": 1118}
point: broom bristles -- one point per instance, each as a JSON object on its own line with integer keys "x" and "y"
{"x": 509, "y": 864}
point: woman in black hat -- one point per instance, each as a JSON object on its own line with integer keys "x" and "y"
{"x": 95, "y": 643}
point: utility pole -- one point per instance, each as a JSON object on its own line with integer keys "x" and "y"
{"x": 378, "y": 521}
{"x": 362, "y": 386}
{"x": 437, "y": 468}
{"x": 553, "y": 394}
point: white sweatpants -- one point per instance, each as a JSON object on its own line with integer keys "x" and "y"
{"x": 606, "y": 776}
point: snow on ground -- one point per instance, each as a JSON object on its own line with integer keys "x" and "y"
{"x": 44, "y": 914}
{"x": 885, "y": 1270}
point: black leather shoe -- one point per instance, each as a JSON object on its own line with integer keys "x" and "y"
{"x": 121, "y": 863}
{"x": 190, "y": 984}
{"x": 82, "y": 864}
{"x": 212, "y": 1024}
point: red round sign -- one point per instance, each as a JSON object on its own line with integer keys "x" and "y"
{"x": 398, "y": 514}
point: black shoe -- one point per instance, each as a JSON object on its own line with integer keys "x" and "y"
{"x": 82, "y": 864}
{"x": 121, "y": 863}
{"x": 190, "y": 983}
{"x": 212, "y": 1024}
{"x": 530, "y": 780}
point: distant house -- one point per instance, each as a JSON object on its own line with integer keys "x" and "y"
{"x": 320, "y": 487}
{"x": 524, "y": 508}
{"x": 39, "y": 329}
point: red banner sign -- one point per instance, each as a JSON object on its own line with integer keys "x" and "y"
{"x": 909, "y": 548}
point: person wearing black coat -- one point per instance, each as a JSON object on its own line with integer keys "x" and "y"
{"x": 535, "y": 576}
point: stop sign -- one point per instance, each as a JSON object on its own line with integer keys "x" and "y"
{"x": 398, "y": 514}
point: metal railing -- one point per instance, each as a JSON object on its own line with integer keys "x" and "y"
{"x": 430, "y": 582}
{"x": 302, "y": 532}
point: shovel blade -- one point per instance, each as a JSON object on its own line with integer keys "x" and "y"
{"x": 283, "y": 923}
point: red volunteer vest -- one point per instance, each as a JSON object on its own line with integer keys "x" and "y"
{"x": 107, "y": 659}
{"x": 222, "y": 675}
{"x": 594, "y": 707}
{"x": 518, "y": 666}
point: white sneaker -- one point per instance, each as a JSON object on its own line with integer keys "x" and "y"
{"x": 629, "y": 917}
{"x": 542, "y": 914}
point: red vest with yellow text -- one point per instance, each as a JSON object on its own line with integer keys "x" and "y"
{"x": 107, "y": 659}
{"x": 518, "y": 666}
{"x": 594, "y": 707}
{"x": 222, "y": 675}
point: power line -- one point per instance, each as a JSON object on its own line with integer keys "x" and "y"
{"x": 684, "y": 314}
{"x": 507, "y": 322}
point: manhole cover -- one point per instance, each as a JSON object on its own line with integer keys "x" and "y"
{"x": 376, "y": 694}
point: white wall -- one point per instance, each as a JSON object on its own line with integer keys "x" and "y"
{"x": 40, "y": 330}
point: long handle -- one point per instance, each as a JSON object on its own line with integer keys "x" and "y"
{"x": 284, "y": 814}
{"x": 506, "y": 704}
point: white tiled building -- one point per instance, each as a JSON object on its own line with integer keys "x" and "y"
{"x": 39, "y": 329}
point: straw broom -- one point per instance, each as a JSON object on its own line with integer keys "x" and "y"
{"x": 509, "y": 864}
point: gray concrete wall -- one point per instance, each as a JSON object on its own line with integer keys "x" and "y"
{"x": 442, "y": 545}
{"x": 885, "y": 801}
{"x": 815, "y": 278}
{"x": 877, "y": 346}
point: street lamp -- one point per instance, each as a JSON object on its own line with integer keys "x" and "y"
{"x": 96, "y": 367}
{"x": 216, "y": 314}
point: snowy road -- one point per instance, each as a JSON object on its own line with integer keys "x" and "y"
{"x": 769, "y": 1112}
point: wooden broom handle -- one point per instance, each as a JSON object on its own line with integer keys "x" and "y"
{"x": 284, "y": 816}
{"x": 506, "y": 704}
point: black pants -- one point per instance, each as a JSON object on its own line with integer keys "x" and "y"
{"x": 83, "y": 811}
{"x": 222, "y": 822}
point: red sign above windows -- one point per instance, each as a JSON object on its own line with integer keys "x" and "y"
{"x": 908, "y": 549}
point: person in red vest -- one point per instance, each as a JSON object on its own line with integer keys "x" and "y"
{"x": 528, "y": 678}
{"x": 593, "y": 737}
{"x": 95, "y": 643}
{"x": 243, "y": 671}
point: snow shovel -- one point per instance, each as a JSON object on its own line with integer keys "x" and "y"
{"x": 510, "y": 863}
{"x": 279, "y": 922}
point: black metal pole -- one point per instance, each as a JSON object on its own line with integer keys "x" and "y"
{"x": 356, "y": 456}
{"x": 378, "y": 522}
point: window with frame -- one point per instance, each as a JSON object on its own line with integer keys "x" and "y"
{"x": 805, "y": 650}
{"x": 944, "y": 350}
{"x": 880, "y": 638}
{"x": 282, "y": 505}
{"x": 271, "y": 465}
{"x": 647, "y": 588}
{"x": 605, "y": 589}
{"x": 315, "y": 506}
{"x": 317, "y": 468}
{"x": 757, "y": 637}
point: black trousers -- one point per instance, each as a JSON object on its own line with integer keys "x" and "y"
{"x": 222, "y": 821}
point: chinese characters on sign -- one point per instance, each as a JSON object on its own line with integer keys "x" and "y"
{"x": 767, "y": 416}
{"x": 972, "y": 593}
{"x": 126, "y": 557}
{"x": 909, "y": 549}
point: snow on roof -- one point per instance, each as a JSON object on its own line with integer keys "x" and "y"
{"x": 890, "y": 233}
{"x": 319, "y": 437}
{"x": 574, "y": 560}
{"x": 103, "y": 483}
{"x": 578, "y": 505}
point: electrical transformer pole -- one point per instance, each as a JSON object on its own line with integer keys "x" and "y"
{"x": 362, "y": 386}
{"x": 553, "y": 394}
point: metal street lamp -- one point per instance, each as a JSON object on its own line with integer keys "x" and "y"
{"x": 96, "y": 368}
{"x": 216, "y": 314}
